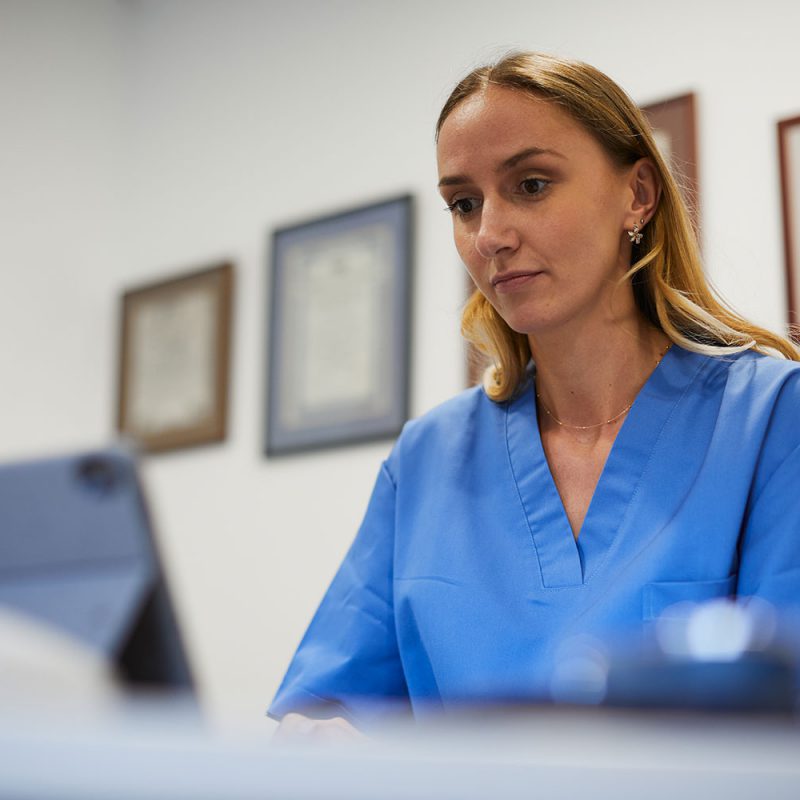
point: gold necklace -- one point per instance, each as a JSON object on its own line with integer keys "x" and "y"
{"x": 596, "y": 424}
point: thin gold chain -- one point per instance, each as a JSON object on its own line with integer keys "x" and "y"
{"x": 581, "y": 427}
{"x": 596, "y": 424}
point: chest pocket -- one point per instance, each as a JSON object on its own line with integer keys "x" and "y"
{"x": 660, "y": 596}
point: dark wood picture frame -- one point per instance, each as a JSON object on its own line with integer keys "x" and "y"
{"x": 674, "y": 123}
{"x": 175, "y": 340}
{"x": 340, "y": 328}
{"x": 789, "y": 160}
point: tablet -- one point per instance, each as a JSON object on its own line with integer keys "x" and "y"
{"x": 78, "y": 552}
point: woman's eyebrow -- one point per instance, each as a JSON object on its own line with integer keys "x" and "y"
{"x": 509, "y": 163}
{"x": 453, "y": 180}
{"x": 512, "y": 162}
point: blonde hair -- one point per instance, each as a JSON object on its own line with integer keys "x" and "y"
{"x": 667, "y": 277}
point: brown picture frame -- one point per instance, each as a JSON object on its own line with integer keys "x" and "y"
{"x": 789, "y": 160}
{"x": 174, "y": 356}
{"x": 674, "y": 123}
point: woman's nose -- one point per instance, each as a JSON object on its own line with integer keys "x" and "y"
{"x": 496, "y": 232}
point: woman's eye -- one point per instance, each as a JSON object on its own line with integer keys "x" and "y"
{"x": 533, "y": 186}
{"x": 463, "y": 206}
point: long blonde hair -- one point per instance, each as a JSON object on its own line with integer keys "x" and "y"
{"x": 667, "y": 277}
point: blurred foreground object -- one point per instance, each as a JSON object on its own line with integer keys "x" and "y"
{"x": 723, "y": 655}
{"x": 77, "y": 553}
{"x": 553, "y": 753}
{"x": 43, "y": 667}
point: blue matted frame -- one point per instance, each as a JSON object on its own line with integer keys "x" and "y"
{"x": 318, "y": 267}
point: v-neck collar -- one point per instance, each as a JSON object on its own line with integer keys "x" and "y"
{"x": 563, "y": 560}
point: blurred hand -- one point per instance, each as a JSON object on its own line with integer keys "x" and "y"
{"x": 297, "y": 728}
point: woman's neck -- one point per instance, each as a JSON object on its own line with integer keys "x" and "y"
{"x": 588, "y": 378}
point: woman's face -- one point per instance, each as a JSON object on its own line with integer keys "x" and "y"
{"x": 539, "y": 211}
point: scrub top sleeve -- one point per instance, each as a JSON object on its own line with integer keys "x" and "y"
{"x": 769, "y": 565}
{"x": 348, "y": 662}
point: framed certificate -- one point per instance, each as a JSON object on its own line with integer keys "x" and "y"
{"x": 789, "y": 154}
{"x": 339, "y": 328}
{"x": 174, "y": 356}
{"x": 675, "y": 130}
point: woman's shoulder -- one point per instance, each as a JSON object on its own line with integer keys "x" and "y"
{"x": 450, "y": 415}
{"x": 449, "y": 427}
{"x": 754, "y": 386}
{"x": 763, "y": 371}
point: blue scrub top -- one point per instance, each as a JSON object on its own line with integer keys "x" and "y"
{"x": 465, "y": 577}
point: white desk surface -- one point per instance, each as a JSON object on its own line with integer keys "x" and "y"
{"x": 541, "y": 753}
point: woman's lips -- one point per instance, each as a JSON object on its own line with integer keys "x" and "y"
{"x": 511, "y": 282}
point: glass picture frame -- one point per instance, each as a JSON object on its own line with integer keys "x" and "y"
{"x": 674, "y": 123}
{"x": 339, "y": 328}
{"x": 174, "y": 360}
{"x": 789, "y": 158}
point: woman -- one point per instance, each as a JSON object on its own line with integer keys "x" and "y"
{"x": 635, "y": 444}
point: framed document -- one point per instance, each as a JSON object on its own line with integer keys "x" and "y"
{"x": 789, "y": 154}
{"x": 675, "y": 130}
{"x": 339, "y": 328}
{"x": 174, "y": 356}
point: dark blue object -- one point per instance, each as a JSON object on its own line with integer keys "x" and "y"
{"x": 77, "y": 552}
{"x": 755, "y": 682}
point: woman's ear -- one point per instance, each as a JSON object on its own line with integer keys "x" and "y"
{"x": 645, "y": 187}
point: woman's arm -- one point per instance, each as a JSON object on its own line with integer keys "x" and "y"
{"x": 770, "y": 546}
{"x": 349, "y": 657}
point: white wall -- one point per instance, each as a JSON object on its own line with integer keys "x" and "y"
{"x": 61, "y": 177}
{"x": 142, "y": 138}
